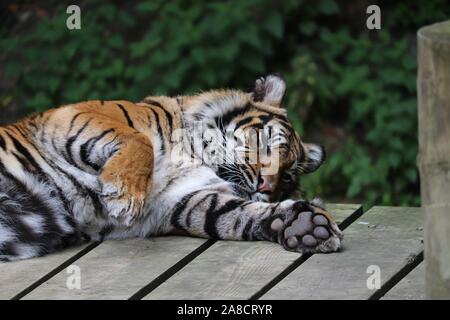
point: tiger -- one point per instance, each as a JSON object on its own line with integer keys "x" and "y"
{"x": 99, "y": 170}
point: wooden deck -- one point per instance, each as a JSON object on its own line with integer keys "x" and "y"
{"x": 388, "y": 238}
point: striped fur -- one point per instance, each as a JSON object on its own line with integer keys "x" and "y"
{"x": 105, "y": 169}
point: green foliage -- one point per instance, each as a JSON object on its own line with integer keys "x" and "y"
{"x": 361, "y": 81}
{"x": 346, "y": 84}
{"x": 364, "y": 83}
{"x": 131, "y": 50}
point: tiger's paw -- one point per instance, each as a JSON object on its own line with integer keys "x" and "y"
{"x": 306, "y": 227}
{"x": 124, "y": 207}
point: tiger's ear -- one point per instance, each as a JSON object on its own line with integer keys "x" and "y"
{"x": 269, "y": 90}
{"x": 314, "y": 156}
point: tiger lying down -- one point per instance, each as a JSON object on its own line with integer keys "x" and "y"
{"x": 221, "y": 165}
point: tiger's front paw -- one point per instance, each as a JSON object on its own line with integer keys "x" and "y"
{"x": 126, "y": 207}
{"x": 306, "y": 227}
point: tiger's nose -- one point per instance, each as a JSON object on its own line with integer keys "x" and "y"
{"x": 265, "y": 185}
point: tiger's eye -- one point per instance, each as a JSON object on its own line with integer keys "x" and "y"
{"x": 286, "y": 177}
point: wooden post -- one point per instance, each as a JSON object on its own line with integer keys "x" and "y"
{"x": 433, "y": 85}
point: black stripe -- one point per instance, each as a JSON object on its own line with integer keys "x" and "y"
{"x": 266, "y": 118}
{"x": 71, "y": 141}
{"x": 7, "y": 249}
{"x": 213, "y": 214}
{"x": 19, "y": 129}
{"x": 37, "y": 205}
{"x": 222, "y": 121}
{"x": 106, "y": 230}
{"x": 244, "y": 121}
{"x": 2, "y": 143}
{"x": 86, "y": 149}
{"x": 25, "y": 164}
{"x": 281, "y": 119}
{"x": 98, "y": 207}
{"x": 127, "y": 116}
{"x": 54, "y": 237}
{"x": 167, "y": 113}
{"x": 31, "y": 143}
{"x": 64, "y": 199}
{"x": 25, "y": 153}
{"x": 33, "y": 124}
{"x": 23, "y": 233}
{"x": 30, "y": 203}
{"x": 84, "y": 191}
{"x": 237, "y": 223}
{"x": 265, "y": 224}
{"x": 160, "y": 131}
{"x": 153, "y": 102}
{"x": 246, "y": 235}
{"x": 253, "y": 170}
{"x": 191, "y": 211}
{"x": 72, "y": 122}
{"x": 247, "y": 174}
{"x": 169, "y": 119}
{"x": 181, "y": 205}
{"x": 43, "y": 176}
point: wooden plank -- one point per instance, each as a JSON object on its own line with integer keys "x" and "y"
{"x": 118, "y": 269}
{"x": 384, "y": 237}
{"x": 19, "y": 275}
{"x": 233, "y": 269}
{"x": 342, "y": 211}
{"x": 411, "y": 287}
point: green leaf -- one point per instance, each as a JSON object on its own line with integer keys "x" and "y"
{"x": 328, "y": 7}
{"x": 274, "y": 24}
{"x": 148, "y": 6}
{"x": 308, "y": 27}
{"x": 39, "y": 101}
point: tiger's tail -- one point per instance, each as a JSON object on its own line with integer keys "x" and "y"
{"x": 30, "y": 227}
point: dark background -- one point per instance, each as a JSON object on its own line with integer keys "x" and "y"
{"x": 349, "y": 88}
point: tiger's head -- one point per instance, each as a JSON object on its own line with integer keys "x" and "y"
{"x": 250, "y": 142}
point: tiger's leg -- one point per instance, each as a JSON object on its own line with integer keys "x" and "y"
{"x": 126, "y": 178}
{"x": 297, "y": 225}
{"x": 121, "y": 159}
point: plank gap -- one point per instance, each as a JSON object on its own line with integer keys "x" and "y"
{"x": 289, "y": 269}
{"x": 56, "y": 270}
{"x": 396, "y": 278}
{"x": 171, "y": 271}
{"x": 387, "y": 237}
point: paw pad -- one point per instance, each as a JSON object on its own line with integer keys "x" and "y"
{"x": 277, "y": 225}
{"x": 301, "y": 226}
{"x": 292, "y": 242}
{"x": 309, "y": 241}
{"x": 321, "y": 233}
{"x": 320, "y": 220}
{"x": 306, "y": 229}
